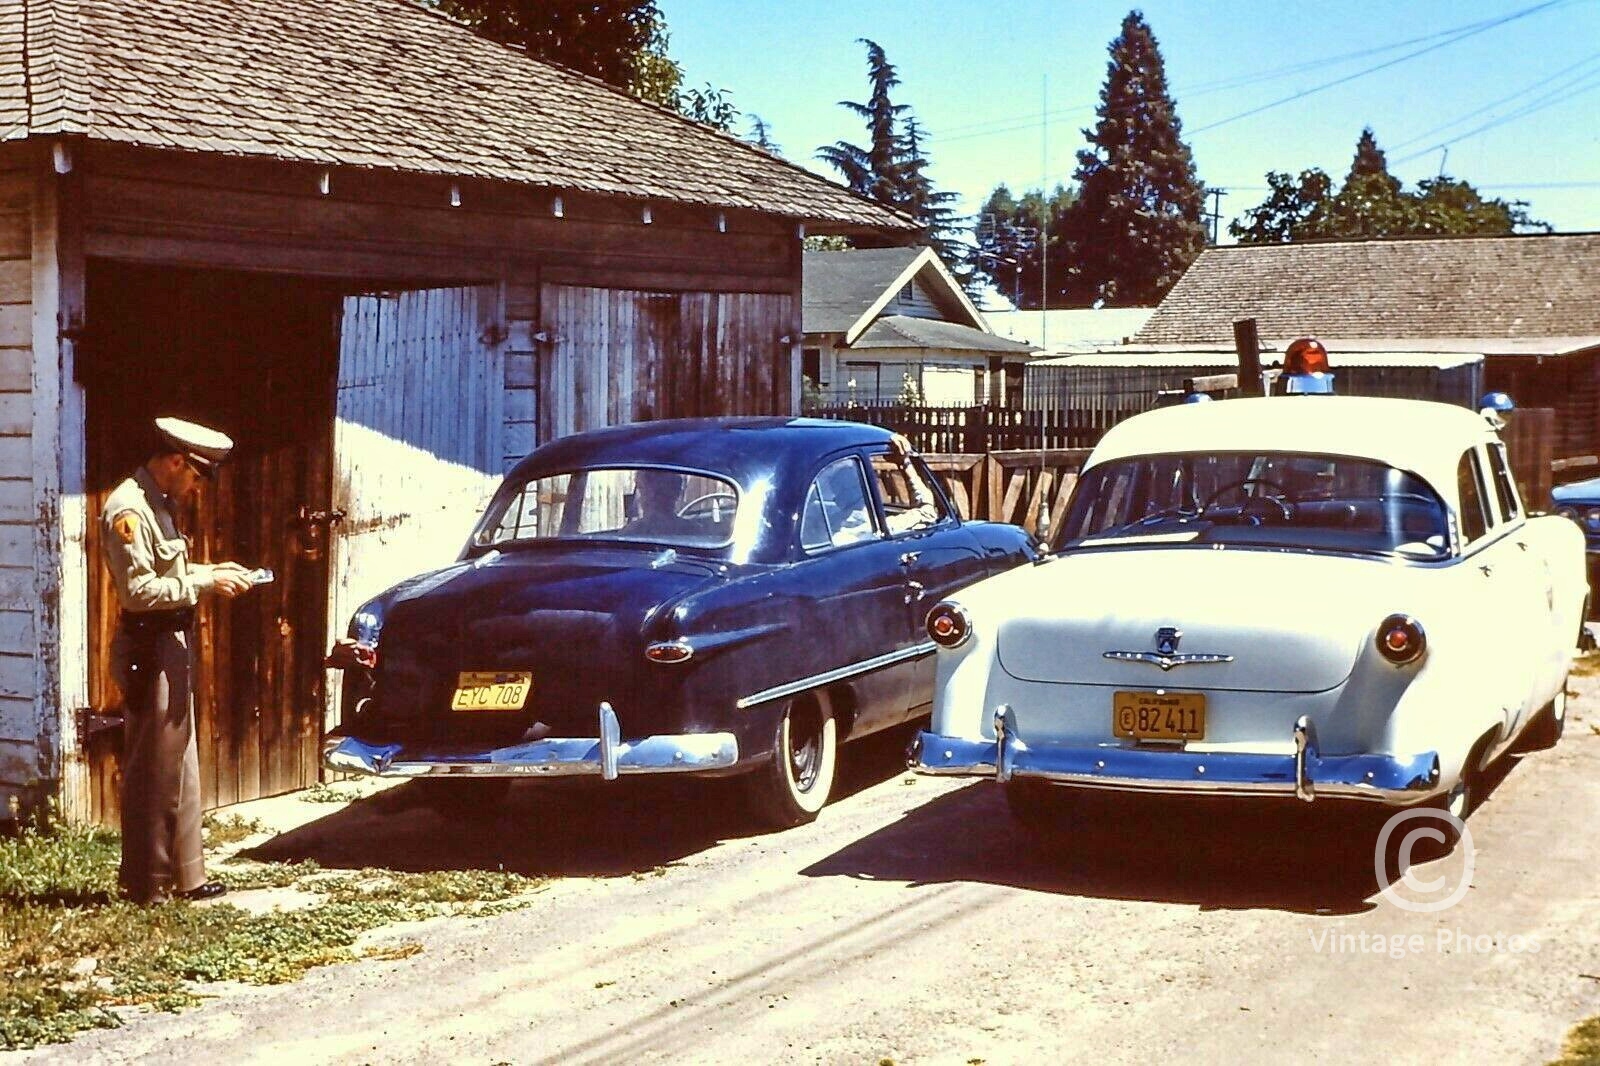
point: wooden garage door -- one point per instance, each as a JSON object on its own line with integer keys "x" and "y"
{"x": 417, "y": 441}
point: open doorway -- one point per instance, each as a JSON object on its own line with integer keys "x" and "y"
{"x": 254, "y": 356}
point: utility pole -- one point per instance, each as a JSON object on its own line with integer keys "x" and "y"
{"x": 1216, "y": 210}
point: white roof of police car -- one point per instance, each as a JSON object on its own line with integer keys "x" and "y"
{"x": 1417, "y": 435}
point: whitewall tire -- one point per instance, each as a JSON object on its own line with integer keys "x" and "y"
{"x": 792, "y": 787}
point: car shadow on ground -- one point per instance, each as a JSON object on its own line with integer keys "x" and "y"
{"x": 557, "y": 828}
{"x": 1217, "y": 853}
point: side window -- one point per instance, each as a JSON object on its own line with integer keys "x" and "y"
{"x": 836, "y": 509}
{"x": 909, "y": 502}
{"x": 1469, "y": 489}
{"x": 1505, "y": 487}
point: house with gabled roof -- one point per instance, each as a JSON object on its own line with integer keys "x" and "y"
{"x": 1527, "y": 306}
{"x": 385, "y": 255}
{"x": 884, "y": 325}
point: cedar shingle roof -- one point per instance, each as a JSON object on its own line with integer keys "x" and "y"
{"x": 1481, "y": 287}
{"x": 373, "y": 83}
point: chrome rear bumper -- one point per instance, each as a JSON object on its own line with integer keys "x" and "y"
{"x": 607, "y": 755}
{"x": 1397, "y": 779}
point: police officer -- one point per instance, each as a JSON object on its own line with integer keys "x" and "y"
{"x": 157, "y": 589}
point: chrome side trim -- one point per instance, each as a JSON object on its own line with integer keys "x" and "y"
{"x": 1394, "y": 779}
{"x": 865, "y": 666}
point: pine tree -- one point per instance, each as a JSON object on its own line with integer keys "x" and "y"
{"x": 872, "y": 171}
{"x": 1136, "y": 225}
{"x": 918, "y": 198}
{"x": 1370, "y": 161}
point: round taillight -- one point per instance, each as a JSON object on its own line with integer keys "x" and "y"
{"x": 669, "y": 651}
{"x": 948, "y": 625}
{"x": 1401, "y": 639}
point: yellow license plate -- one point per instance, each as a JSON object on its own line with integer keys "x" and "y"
{"x": 484, "y": 691}
{"x": 1159, "y": 715}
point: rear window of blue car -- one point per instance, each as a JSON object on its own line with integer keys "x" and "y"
{"x": 657, "y": 505}
{"x": 1269, "y": 499}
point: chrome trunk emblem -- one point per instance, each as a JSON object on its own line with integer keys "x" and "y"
{"x": 1166, "y": 654}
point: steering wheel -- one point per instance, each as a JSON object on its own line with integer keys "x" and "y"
{"x": 709, "y": 504}
{"x": 1282, "y": 501}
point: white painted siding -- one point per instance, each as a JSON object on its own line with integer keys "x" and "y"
{"x": 417, "y": 439}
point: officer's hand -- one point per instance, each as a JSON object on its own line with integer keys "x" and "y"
{"x": 230, "y": 579}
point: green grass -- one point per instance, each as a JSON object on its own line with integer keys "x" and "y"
{"x": 71, "y": 951}
{"x": 1583, "y": 1045}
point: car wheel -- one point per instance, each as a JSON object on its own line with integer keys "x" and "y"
{"x": 465, "y": 799}
{"x": 1040, "y": 807}
{"x": 792, "y": 787}
{"x": 1547, "y": 728}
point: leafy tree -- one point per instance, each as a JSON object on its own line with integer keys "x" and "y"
{"x": 1136, "y": 224}
{"x": 1372, "y": 203}
{"x": 1007, "y": 240}
{"x": 622, "y": 42}
{"x": 710, "y": 106}
{"x": 1290, "y": 204}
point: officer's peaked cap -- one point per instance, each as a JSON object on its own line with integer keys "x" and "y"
{"x": 201, "y": 445}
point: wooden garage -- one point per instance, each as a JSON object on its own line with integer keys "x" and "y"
{"x": 387, "y": 257}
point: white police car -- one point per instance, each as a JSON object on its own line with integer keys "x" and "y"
{"x": 1298, "y": 596}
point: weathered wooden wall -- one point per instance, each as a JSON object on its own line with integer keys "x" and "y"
{"x": 19, "y": 725}
{"x": 701, "y": 305}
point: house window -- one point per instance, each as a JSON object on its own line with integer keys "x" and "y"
{"x": 863, "y": 382}
{"x": 811, "y": 364}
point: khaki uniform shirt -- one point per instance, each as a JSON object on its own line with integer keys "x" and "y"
{"x": 148, "y": 557}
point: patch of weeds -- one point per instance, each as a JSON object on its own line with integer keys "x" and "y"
{"x": 325, "y": 793}
{"x": 389, "y": 952}
{"x": 229, "y": 829}
{"x": 242, "y": 874}
{"x": 70, "y": 949}
{"x": 1583, "y": 1045}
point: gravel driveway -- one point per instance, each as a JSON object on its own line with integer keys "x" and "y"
{"x": 913, "y": 923}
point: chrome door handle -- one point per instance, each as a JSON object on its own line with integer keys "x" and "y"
{"x": 1488, "y": 571}
{"x": 907, "y": 558}
{"x": 1522, "y": 544}
{"x": 915, "y": 591}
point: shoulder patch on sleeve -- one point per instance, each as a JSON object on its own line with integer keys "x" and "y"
{"x": 126, "y": 526}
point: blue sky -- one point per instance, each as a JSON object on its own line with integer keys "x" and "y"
{"x": 978, "y": 76}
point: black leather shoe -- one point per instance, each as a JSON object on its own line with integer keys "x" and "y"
{"x": 209, "y": 890}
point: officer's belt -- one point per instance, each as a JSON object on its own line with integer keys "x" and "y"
{"x": 138, "y": 623}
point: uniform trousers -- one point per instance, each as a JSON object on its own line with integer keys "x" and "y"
{"x": 161, "y": 843}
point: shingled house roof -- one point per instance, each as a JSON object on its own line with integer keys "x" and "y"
{"x": 842, "y": 286}
{"x": 373, "y": 83}
{"x": 1511, "y": 288}
{"x": 932, "y": 334}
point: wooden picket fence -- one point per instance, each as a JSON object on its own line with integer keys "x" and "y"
{"x": 1012, "y": 486}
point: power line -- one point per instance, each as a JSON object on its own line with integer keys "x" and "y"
{"x": 1491, "y": 106}
{"x": 1461, "y": 36}
{"x": 1021, "y": 121}
{"x": 1571, "y": 91}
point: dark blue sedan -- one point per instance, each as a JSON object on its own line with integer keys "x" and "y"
{"x": 712, "y": 596}
{"x": 1580, "y": 501}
